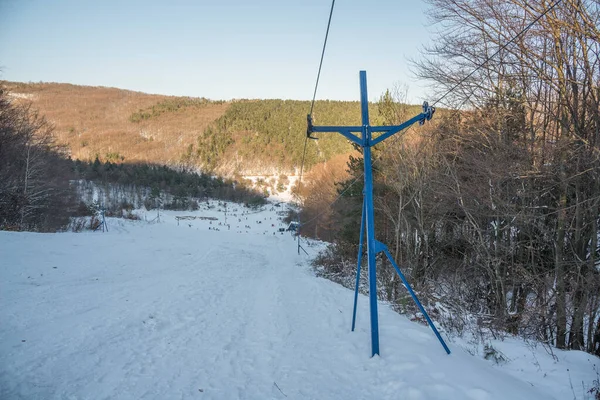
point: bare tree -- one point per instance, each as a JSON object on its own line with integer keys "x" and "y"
{"x": 539, "y": 94}
{"x": 34, "y": 174}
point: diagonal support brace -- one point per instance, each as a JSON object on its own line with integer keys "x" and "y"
{"x": 383, "y": 248}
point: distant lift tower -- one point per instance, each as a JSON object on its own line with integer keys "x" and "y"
{"x": 366, "y": 141}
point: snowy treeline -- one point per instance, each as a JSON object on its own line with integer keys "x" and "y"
{"x": 113, "y": 196}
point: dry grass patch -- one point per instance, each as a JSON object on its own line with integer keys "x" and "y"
{"x": 95, "y": 121}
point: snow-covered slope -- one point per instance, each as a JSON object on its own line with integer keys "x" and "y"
{"x": 167, "y": 311}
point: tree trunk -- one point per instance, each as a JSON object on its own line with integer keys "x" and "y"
{"x": 561, "y": 312}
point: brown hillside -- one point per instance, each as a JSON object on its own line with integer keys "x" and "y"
{"x": 96, "y": 121}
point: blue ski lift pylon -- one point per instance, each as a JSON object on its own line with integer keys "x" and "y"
{"x": 293, "y": 226}
{"x": 366, "y": 141}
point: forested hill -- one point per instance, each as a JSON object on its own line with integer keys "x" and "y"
{"x": 234, "y": 137}
{"x": 253, "y": 136}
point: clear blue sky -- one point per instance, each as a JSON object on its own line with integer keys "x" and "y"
{"x": 220, "y": 49}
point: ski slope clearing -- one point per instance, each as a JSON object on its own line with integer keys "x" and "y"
{"x": 167, "y": 311}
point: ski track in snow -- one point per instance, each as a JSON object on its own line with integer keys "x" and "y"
{"x": 168, "y": 312}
